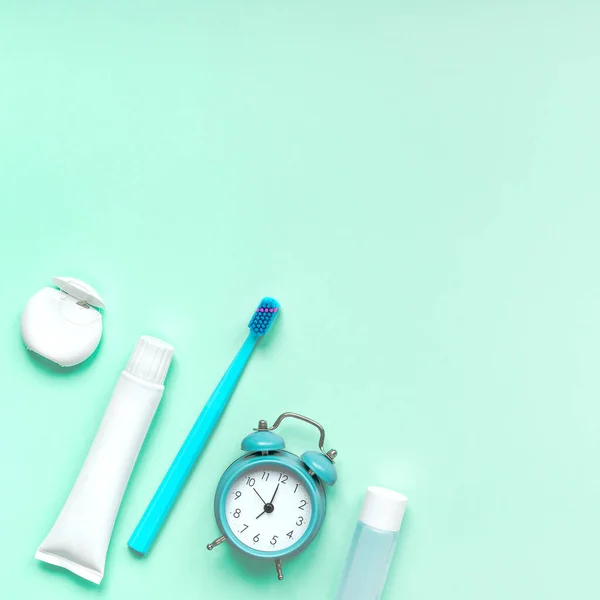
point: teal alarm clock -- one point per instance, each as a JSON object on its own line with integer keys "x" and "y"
{"x": 270, "y": 503}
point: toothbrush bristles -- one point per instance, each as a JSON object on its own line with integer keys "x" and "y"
{"x": 264, "y": 316}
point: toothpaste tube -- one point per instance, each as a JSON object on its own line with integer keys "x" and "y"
{"x": 79, "y": 539}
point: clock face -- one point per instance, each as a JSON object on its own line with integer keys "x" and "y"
{"x": 268, "y": 508}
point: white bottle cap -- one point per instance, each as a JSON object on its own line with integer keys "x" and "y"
{"x": 383, "y": 509}
{"x": 150, "y": 360}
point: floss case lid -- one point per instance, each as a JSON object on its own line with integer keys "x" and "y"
{"x": 79, "y": 289}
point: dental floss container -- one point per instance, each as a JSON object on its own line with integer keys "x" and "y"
{"x": 63, "y": 325}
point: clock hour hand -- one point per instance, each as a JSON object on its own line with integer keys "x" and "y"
{"x": 269, "y": 508}
{"x": 261, "y": 498}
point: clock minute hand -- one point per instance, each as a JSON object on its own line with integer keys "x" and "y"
{"x": 274, "y": 493}
{"x": 269, "y": 508}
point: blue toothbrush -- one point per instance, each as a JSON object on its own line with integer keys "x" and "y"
{"x": 180, "y": 468}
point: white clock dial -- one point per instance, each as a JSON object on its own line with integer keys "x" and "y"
{"x": 268, "y": 508}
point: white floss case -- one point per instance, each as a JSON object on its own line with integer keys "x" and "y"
{"x": 63, "y": 325}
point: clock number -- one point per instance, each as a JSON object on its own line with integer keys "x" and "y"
{"x": 256, "y": 538}
{"x": 236, "y": 513}
{"x": 290, "y": 534}
{"x": 302, "y": 504}
{"x": 237, "y": 494}
{"x": 300, "y": 521}
{"x": 245, "y": 527}
{"x": 250, "y": 481}
{"x": 265, "y": 476}
{"x": 296, "y": 488}
{"x": 273, "y": 540}
{"x": 283, "y": 477}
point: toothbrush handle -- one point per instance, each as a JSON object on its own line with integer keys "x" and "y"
{"x": 162, "y": 501}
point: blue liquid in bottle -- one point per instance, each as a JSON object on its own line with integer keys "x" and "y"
{"x": 372, "y": 549}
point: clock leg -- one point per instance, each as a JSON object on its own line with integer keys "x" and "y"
{"x": 216, "y": 542}
{"x": 279, "y": 570}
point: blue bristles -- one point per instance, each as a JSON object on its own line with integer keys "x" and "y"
{"x": 264, "y": 316}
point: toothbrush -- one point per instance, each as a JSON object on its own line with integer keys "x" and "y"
{"x": 160, "y": 505}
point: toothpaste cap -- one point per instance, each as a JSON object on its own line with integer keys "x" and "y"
{"x": 150, "y": 360}
{"x": 383, "y": 509}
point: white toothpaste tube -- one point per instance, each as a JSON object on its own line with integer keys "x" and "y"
{"x": 79, "y": 539}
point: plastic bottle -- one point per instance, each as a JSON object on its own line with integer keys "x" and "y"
{"x": 373, "y": 545}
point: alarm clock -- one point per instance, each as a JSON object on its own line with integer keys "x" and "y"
{"x": 270, "y": 503}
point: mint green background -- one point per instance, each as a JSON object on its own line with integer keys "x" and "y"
{"x": 415, "y": 181}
